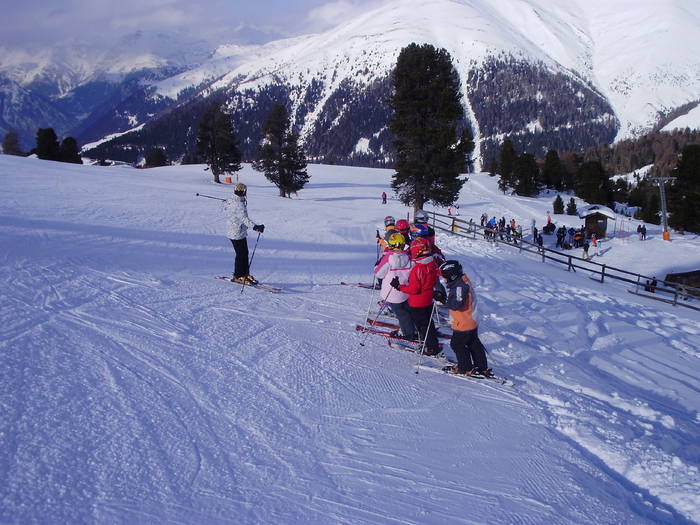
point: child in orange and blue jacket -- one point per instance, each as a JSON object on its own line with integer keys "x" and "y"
{"x": 465, "y": 342}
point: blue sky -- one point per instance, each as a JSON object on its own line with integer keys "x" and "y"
{"x": 41, "y": 22}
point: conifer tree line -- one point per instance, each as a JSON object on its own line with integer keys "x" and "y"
{"x": 280, "y": 157}
{"x": 47, "y": 146}
{"x": 586, "y": 176}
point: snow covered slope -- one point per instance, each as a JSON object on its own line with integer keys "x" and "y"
{"x": 137, "y": 388}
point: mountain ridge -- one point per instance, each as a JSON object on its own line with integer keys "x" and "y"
{"x": 571, "y": 55}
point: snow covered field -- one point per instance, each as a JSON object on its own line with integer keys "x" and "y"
{"x": 136, "y": 388}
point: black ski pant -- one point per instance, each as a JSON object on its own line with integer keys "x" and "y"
{"x": 469, "y": 350}
{"x": 422, "y": 318}
{"x": 403, "y": 313}
{"x": 240, "y": 246}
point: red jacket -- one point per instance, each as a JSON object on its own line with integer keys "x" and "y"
{"x": 421, "y": 282}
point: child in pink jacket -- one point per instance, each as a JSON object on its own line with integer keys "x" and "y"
{"x": 397, "y": 263}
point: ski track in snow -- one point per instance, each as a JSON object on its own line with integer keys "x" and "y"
{"x": 135, "y": 387}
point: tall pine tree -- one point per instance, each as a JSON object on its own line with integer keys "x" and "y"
{"x": 69, "y": 151}
{"x": 10, "y": 144}
{"x": 684, "y": 196}
{"x": 506, "y": 166}
{"x": 47, "y": 147}
{"x": 553, "y": 171}
{"x": 593, "y": 184}
{"x": 525, "y": 175}
{"x": 280, "y": 157}
{"x": 217, "y": 143}
{"x": 427, "y": 116}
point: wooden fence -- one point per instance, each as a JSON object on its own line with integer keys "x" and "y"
{"x": 668, "y": 292}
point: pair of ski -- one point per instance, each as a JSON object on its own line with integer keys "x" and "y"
{"x": 259, "y": 286}
{"x": 416, "y": 346}
{"x": 393, "y": 326}
{"x": 476, "y": 377}
{"x": 384, "y": 333}
{"x": 369, "y": 286}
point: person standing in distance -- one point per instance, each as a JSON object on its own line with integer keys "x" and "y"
{"x": 236, "y": 208}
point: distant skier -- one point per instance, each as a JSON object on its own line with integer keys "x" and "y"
{"x": 585, "y": 249}
{"x": 465, "y": 342}
{"x": 397, "y": 264}
{"x": 383, "y": 197}
{"x": 419, "y": 288}
{"x": 238, "y": 223}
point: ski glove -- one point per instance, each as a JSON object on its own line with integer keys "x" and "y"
{"x": 440, "y": 296}
{"x": 259, "y": 228}
{"x": 395, "y": 283}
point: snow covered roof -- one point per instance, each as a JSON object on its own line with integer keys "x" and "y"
{"x": 596, "y": 208}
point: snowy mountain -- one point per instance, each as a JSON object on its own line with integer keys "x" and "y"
{"x": 137, "y": 388}
{"x": 79, "y": 84}
{"x": 564, "y": 74}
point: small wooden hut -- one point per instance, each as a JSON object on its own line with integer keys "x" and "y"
{"x": 596, "y": 219}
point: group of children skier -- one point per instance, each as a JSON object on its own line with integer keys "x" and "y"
{"x": 409, "y": 270}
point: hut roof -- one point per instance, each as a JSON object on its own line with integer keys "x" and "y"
{"x": 592, "y": 209}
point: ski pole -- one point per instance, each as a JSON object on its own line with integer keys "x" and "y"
{"x": 381, "y": 309}
{"x": 422, "y": 348}
{"x": 371, "y": 298}
{"x": 210, "y": 197}
{"x": 250, "y": 262}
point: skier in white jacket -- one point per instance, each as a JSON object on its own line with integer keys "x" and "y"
{"x": 238, "y": 223}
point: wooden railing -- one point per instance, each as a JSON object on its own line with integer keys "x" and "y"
{"x": 669, "y": 292}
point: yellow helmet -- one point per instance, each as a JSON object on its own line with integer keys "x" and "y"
{"x": 397, "y": 241}
{"x": 240, "y": 188}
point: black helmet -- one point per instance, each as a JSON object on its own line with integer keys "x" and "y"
{"x": 389, "y": 221}
{"x": 451, "y": 270}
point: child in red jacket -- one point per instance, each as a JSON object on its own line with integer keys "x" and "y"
{"x": 421, "y": 282}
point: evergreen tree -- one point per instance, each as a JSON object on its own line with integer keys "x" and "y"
{"x": 650, "y": 212}
{"x": 293, "y": 165}
{"x": 593, "y": 184}
{"x": 684, "y": 196}
{"x": 525, "y": 175}
{"x": 553, "y": 171}
{"x": 492, "y": 167}
{"x": 156, "y": 158}
{"x": 638, "y": 195}
{"x": 571, "y": 207}
{"x": 571, "y": 162}
{"x": 558, "y": 205}
{"x": 69, "y": 151}
{"x": 280, "y": 157}
{"x": 427, "y": 112}
{"x": 47, "y": 147}
{"x": 10, "y": 144}
{"x": 620, "y": 190}
{"x": 217, "y": 143}
{"x": 506, "y": 166}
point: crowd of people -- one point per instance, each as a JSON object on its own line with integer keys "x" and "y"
{"x": 409, "y": 272}
{"x": 567, "y": 238}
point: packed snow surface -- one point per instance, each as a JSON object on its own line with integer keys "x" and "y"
{"x": 137, "y": 388}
